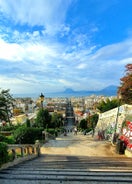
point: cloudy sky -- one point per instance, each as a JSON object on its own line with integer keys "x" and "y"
{"x": 51, "y": 45}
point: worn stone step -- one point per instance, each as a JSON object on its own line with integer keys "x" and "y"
{"x": 49, "y": 169}
{"x": 102, "y": 178}
{"x": 7, "y": 181}
{"x": 65, "y": 172}
{"x": 74, "y": 165}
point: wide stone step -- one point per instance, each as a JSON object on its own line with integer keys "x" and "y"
{"x": 54, "y": 169}
{"x": 61, "y": 177}
{"x": 65, "y": 172}
{"x": 67, "y": 162}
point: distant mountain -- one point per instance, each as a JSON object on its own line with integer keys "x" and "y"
{"x": 108, "y": 91}
{"x": 69, "y": 90}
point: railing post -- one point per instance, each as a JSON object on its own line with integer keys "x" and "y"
{"x": 37, "y": 144}
{"x": 33, "y": 150}
{"x": 28, "y": 153}
{"x": 22, "y": 151}
{"x": 13, "y": 154}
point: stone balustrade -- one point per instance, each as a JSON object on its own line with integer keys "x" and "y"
{"x": 21, "y": 152}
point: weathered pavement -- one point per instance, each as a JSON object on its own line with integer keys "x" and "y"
{"x": 79, "y": 145}
{"x": 72, "y": 160}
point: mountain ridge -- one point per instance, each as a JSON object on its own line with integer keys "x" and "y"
{"x": 108, "y": 91}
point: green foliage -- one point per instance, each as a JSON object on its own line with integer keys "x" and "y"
{"x": 83, "y": 124}
{"x": 3, "y": 153}
{"x": 9, "y": 127}
{"x": 107, "y": 105}
{"x": 6, "y": 102}
{"x": 125, "y": 89}
{"x": 43, "y": 118}
{"x": 28, "y": 123}
{"x": 27, "y": 135}
{"x": 10, "y": 139}
{"x": 56, "y": 120}
{"x": 51, "y": 131}
{"x": 7, "y": 139}
{"x": 94, "y": 120}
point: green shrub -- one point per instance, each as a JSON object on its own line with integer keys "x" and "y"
{"x": 3, "y": 153}
{"x": 9, "y": 128}
{"x": 28, "y": 124}
{"x": 51, "y": 131}
{"x": 7, "y": 139}
{"x": 10, "y": 139}
{"x": 27, "y": 135}
{"x": 56, "y": 133}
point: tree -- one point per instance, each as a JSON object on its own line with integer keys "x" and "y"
{"x": 108, "y": 104}
{"x": 125, "y": 89}
{"x": 6, "y": 105}
{"x": 43, "y": 118}
{"x": 56, "y": 120}
{"x": 94, "y": 120}
{"x": 83, "y": 124}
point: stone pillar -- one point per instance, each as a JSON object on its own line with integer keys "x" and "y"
{"x": 37, "y": 144}
{"x": 28, "y": 153}
{"x": 13, "y": 154}
{"x": 33, "y": 151}
{"x": 22, "y": 151}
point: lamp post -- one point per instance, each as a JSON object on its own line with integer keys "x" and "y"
{"x": 115, "y": 135}
{"x": 42, "y": 99}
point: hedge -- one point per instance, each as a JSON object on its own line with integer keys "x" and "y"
{"x": 27, "y": 135}
{"x": 7, "y": 139}
{"x": 3, "y": 153}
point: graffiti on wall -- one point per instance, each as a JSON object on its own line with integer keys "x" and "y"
{"x": 127, "y": 135}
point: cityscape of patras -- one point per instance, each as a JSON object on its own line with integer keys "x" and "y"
{"x": 27, "y": 107}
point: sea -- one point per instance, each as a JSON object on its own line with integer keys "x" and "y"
{"x": 52, "y": 95}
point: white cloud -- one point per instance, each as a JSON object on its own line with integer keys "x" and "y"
{"x": 11, "y": 51}
{"x": 67, "y": 83}
{"x": 49, "y": 13}
{"x": 81, "y": 66}
{"x": 16, "y": 85}
{"x": 49, "y": 66}
{"x": 118, "y": 50}
{"x": 37, "y": 52}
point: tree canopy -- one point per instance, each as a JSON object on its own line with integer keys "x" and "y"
{"x": 43, "y": 118}
{"x": 56, "y": 120}
{"x": 125, "y": 89}
{"x": 6, "y": 104}
{"x": 83, "y": 124}
{"x": 108, "y": 104}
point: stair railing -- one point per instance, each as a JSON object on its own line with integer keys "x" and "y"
{"x": 21, "y": 152}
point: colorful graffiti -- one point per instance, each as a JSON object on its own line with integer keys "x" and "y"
{"x": 127, "y": 135}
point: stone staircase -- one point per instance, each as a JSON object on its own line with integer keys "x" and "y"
{"x": 55, "y": 169}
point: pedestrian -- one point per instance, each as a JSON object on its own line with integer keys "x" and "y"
{"x": 75, "y": 131}
{"x": 84, "y": 132}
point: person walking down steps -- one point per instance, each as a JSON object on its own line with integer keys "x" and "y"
{"x": 75, "y": 131}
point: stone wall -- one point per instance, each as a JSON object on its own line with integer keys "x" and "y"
{"x": 112, "y": 120}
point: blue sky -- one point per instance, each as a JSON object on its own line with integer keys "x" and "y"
{"x": 51, "y": 45}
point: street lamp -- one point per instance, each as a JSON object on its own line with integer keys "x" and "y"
{"x": 42, "y": 99}
{"x": 115, "y": 134}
